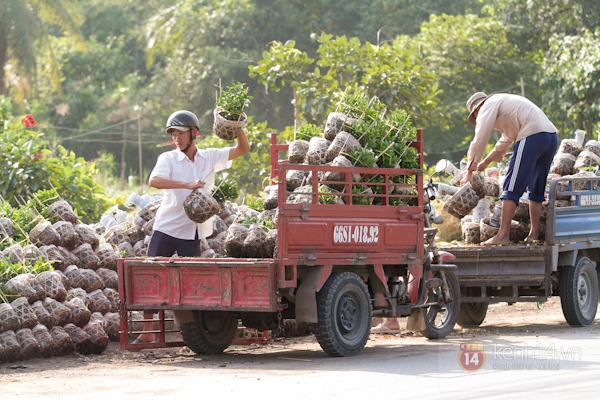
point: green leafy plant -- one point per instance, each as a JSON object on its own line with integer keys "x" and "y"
{"x": 233, "y": 100}
{"x": 307, "y": 131}
{"x": 225, "y": 189}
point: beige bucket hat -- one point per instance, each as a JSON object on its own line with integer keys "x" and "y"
{"x": 472, "y": 104}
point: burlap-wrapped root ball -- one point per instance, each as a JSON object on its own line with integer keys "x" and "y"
{"x": 62, "y": 341}
{"x": 9, "y": 320}
{"x": 338, "y": 122}
{"x": 42, "y": 315}
{"x": 562, "y": 164}
{"x": 69, "y": 238}
{"x": 83, "y": 278}
{"x": 80, "y": 314}
{"x": 462, "y": 202}
{"x": 134, "y": 234}
{"x": 570, "y": 146}
{"x": 295, "y": 178}
{"x": 53, "y": 254}
{"x": 486, "y": 230}
{"x": 271, "y": 197}
{"x": 586, "y": 159}
{"x": 24, "y": 313}
{"x": 45, "y": 341}
{"x": 219, "y": 228}
{"x": 471, "y": 233}
{"x": 343, "y": 142}
{"x": 200, "y": 205}
{"x": 87, "y": 256}
{"x": 522, "y": 211}
{"x": 98, "y": 337}
{"x": 271, "y": 243}
{"x": 234, "y": 241}
{"x": 7, "y": 228}
{"x": 317, "y": 151}
{"x": 115, "y": 235}
{"x": 297, "y": 151}
{"x": 98, "y": 302}
{"x": 254, "y": 244}
{"x": 10, "y": 350}
{"x": 51, "y": 281}
{"x": 477, "y": 182}
{"x": 109, "y": 277}
{"x": 107, "y": 256}
{"x": 68, "y": 257}
{"x": 60, "y": 312}
{"x": 227, "y": 129}
{"x": 87, "y": 235}
{"x": 22, "y": 285}
{"x": 62, "y": 211}
{"x": 43, "y": 234}
{"x": 329, "y": 176}
{"x": 29, "y": 346}
{"x": 14, "y": 254}
{"x": 32, "y": 254}
{"x": 518, "y": 231}
{"x": 80, "y": 338}
{"x": 125, "y": 250}
{"x": 593, "y": 146}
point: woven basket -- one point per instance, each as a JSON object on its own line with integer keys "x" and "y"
{"x": 462, "y": 202}
{"x": 62, "y": 341}
{"x": 109, "y": 277}
{"x": 29, "y": 346}
{"x": 234, "y": 241}
{"x": 6, "y": 228}
{"x": 60, "y": 312}
{"x": 491, "y": 188}
{"x": 522, "y": 211}
{"x": 225, "y": 128}
{"x": 107, "y": 256}
{"x": 295, "y": 178}
{"x": 112, "y": 326}
{"x": 9, "y": 320}
{"x": 42, "y": 315}
{"x": 477, "y": 182}
{"x": 87, "y": 235}
{"x": 87, "y": 257}
{"x": 518, "y": 231}
{"x": 200, "y": 205}
{"x": 69, "y": 238}
{"x": 80, "y": 338}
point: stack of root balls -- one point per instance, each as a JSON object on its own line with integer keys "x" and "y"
{"x": 479, "y": 209}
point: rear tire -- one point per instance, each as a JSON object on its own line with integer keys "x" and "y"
{"x": 344, "y": 315}
{"x": 578, "y": 288}
{"x": 440, "y": 321}
{"x": 471, "y": 315}
{"x": 210, "y": 333}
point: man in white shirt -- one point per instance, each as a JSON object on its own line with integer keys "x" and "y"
{"x": 178, "y": 172}
{"x": 534, "y": 140}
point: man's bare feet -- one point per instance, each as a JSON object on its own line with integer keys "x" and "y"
{"x": 532, "y": 239}
{"x": 496, "y": 241}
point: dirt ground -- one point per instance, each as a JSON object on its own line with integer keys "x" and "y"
{"x": 521, "y": 319}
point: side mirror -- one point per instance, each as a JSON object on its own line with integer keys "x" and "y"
{"x": 441, "y": 165}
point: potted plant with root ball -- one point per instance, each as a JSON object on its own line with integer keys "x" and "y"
{"x": 229, "y": 116}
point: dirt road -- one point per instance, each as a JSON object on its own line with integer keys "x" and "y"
{"x": 390, "y": 365}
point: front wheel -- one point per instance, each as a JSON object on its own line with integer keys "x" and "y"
{"x": 344, "y": 315}
{"x": 578, "y": 288}
{"x": 440, "y": 319}
{"x": 210, "y": 333}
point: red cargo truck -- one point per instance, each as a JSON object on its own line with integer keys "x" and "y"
{"x": 335, "y": 266}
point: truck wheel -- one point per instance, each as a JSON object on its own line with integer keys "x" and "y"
{"x": 210, "y": 333}
{"x": 440, "y": 320}
{"x": 578, "y": 288}
{"x": 471, "y": 315}
{"x": 344, "y": 313}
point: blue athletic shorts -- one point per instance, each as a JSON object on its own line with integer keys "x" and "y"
{"x": 529, "y": 166}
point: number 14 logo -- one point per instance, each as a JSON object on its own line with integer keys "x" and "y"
{"x": 471, "y": 356}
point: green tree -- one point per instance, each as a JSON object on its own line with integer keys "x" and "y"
{"x": 391, "y": 71}
{"x": 468, "y": 54}
{"x": 25, "y": 28}
{"x": 570, "y": 74}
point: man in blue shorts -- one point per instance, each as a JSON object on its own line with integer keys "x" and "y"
{"x": 534, "y": 141}
{"x": 178, "y": 172}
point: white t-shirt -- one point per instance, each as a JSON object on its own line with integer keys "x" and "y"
{"x": 175, "y": 165}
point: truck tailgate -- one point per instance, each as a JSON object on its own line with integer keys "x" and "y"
{"x": 195, "y": 283}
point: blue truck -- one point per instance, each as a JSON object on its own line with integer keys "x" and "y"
{"x": 564, "y": 265}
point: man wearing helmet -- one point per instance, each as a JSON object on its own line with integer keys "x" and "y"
{"x": 178, "y": 172}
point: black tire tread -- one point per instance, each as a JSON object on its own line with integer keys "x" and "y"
{"x": 195, "y": 338}
{"x": 568, "y": 292}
